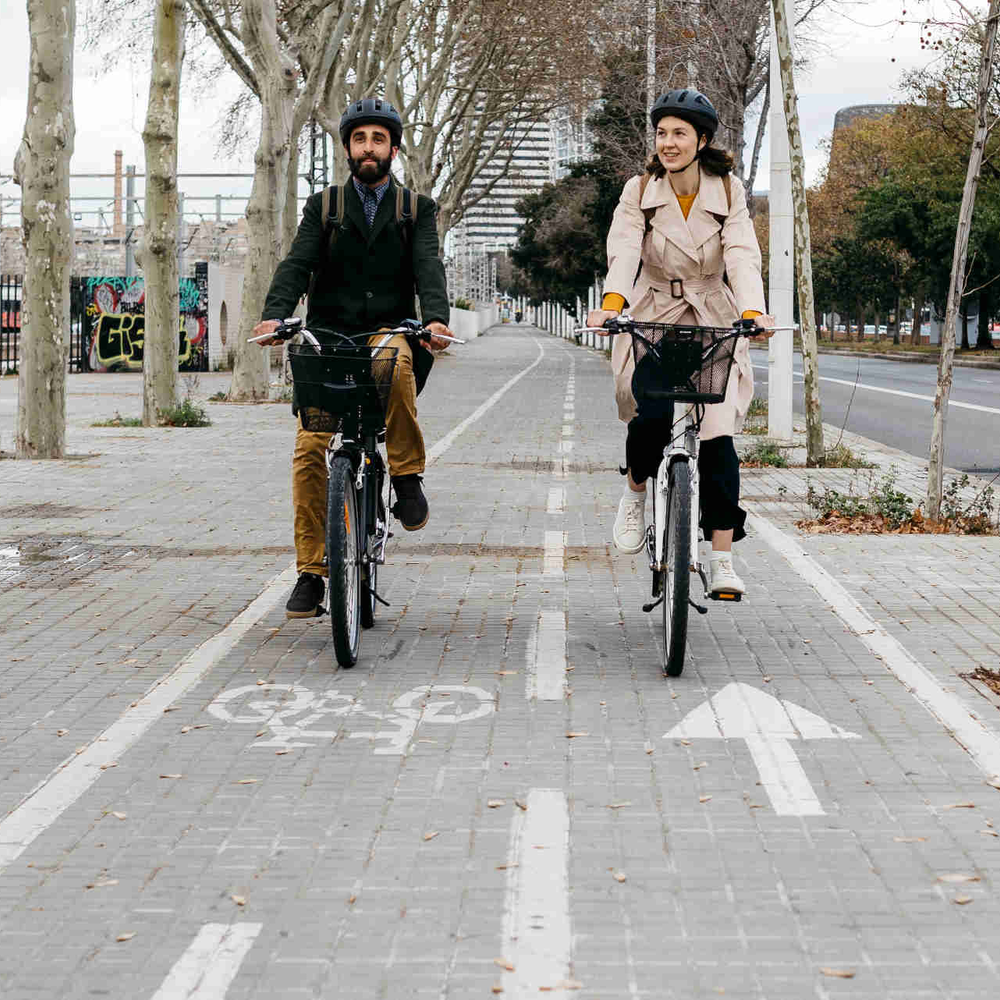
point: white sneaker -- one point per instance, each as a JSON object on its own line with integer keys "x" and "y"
{"x": 724, "y": 578}
{"x": 629, "y": 534}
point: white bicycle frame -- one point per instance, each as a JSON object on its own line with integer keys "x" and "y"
{"x": 682, "y": 448}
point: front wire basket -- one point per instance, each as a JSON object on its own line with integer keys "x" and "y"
{"x": 690, "y": 364}
{"x": 341, "y": 380}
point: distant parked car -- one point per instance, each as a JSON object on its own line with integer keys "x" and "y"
{"x": 869, "y": 329}
{"x": 883, "y": 330}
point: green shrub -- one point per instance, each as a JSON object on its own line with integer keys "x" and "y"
{"x": 765, "y": 453}
{"x": 876, "y": 498}
{"x": 118, "y": 421}
{"x": 461, "y": 303}
{"x": 185, "y": 414}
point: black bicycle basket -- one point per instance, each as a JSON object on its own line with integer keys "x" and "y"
{"x": 342, "y": 380}
{"x": 690, "y": 364}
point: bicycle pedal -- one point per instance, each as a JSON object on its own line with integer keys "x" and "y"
{"x": 727, "y": 595}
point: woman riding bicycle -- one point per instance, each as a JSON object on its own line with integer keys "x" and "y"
{"x": 677, "y": 233}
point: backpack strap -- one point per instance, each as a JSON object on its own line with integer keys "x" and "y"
{"x": 406, "y": 213}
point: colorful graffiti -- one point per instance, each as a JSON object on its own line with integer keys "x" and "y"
{"x": 114, "y": 322}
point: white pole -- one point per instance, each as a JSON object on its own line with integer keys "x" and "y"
{"x": 781, "y": 283}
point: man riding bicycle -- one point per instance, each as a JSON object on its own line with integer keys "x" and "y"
{"x": 361, "y": 270}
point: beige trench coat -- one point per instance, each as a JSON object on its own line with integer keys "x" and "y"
{"x": 698, "y": 250}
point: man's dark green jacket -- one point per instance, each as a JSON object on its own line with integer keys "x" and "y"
{"x": 370, "y": 278}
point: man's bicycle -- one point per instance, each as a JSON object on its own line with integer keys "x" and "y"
{"x": 679, "y": 364}
{"x": 344, "y": 386}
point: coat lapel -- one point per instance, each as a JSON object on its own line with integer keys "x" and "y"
{"x": 709, "y": 210}
{"x": 669, "y": 220}
{"x": 354, "y": 210}
{"x": 386, "y": 211}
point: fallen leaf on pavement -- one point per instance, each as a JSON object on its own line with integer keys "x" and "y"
{"x": 260, "y": 681}
{"x": 520, "y": 804}
{"x": 61, "y": 732}
{"x": 837, "y": 973}
{"x": 497, "y": 989}
{"x": 278, "y": 753}
{"x": 239, "y": 900}
{"x": 248, "y": 781}
{"x": 495, "y": 803}
{"x": 619, "y": 876}
{"x": 962, "y": 900}
{"x": 118, "y": 815}
{"x": 698, "y": 767}
{"x": 990, "y": 833}
{"x": 503, "y": 868}
{"x": 185, "y": 729}
{"x": 908, "y": 840}
{"x": 127, "y": 936}
{"x": 571, "y": 736}
{"x": 995, "y": 783}
{"x": 619, "y": 805}
{"x": 352, "y": 899}
{"x": 431, "y": 835}
{"x": 960, "y": 805}
{"x": 171, "y": 775}
{"x": 110, "y": 763}
{"x": 957, "y": 877}
{"x": 704, "y": 798}
{"x": 102, "y": 882}
{"x": 685, "y": 743}
{"x": 505, "y": 673}
{"x": 504, "y": 964}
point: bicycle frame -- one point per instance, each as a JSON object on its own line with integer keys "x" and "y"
{"x": 682, "y": 448}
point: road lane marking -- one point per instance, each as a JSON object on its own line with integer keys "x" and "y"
{"x": 434, "y": 453}
{"x": 742, "y": 712}
{"x": 557, "y": 500}
{"x": 46, "y": 802}
{"x": 554, "y": 553}
{"x": 208, "y": 967}
{"x": 537, "y": 942}
{"x": 545, "y": 676}
{"x": 981, "y": 742}
{"x": 899, "y": 392}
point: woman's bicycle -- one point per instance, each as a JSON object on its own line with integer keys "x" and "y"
{"x": 344, "y": 386}
{"x": 679, "y": 364}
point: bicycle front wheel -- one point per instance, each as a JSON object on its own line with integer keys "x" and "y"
{"x": 344, "y": 529}
{"x": 677, "y": 578}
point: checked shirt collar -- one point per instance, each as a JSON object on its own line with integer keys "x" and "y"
{"x": 370, "y": 199}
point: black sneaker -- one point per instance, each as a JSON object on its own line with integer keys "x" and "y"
{"x": 410, "y": 507}
{"x": 307, "y": 596}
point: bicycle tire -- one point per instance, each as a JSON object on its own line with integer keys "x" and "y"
{"x": 677, "y": 578}
{"x": 369, "y": 570}
{"x": 343, "y": 550}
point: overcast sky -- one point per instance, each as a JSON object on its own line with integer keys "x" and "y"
{"x": 109, "y": 107}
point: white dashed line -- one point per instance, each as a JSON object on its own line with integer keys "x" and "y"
{"x": 537, "y": 940}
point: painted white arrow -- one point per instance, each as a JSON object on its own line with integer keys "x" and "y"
{"x": 742, "y": 712}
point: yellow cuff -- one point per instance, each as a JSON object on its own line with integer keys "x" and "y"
{"x": 751, "y": 314}
{"x": 612, "y": 300}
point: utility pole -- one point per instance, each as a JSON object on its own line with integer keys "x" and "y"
{"x": 781, "y": 282}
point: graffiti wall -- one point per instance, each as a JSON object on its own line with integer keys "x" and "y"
{"x": 114, "y": 322}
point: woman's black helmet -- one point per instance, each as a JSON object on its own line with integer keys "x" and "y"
{"x": 371, "y": 111}
{"x": 692, "y": 106}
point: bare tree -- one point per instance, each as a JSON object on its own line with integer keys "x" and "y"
{"x": 803, "y": 250}
{"x": 268, "y": 57}
{"x": 41, "y": 167}
{"x": 159, "y": 242}
{"x": 935, "y": 468}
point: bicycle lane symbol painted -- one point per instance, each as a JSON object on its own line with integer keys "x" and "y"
{"x": 295, "y": 715}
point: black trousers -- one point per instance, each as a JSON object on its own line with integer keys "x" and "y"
{"x": 718, "y": 470}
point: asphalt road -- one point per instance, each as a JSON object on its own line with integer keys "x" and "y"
{"x": 893, "y": 402}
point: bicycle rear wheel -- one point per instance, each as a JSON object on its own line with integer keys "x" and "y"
{"x": 344, "y": 528}
{"x": 677, "y": 578}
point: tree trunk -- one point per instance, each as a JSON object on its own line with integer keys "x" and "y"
{"x": 803, "y": 248}
{"x": 859, "y": 329}
{"x": 159, "y": 241}
{"x": 935, "y": 466}
{"x": 918, "y": 317}
{"x": 265, "y": 209}
{"x": 42, "y": 169}
{"x": 895, "y": 329}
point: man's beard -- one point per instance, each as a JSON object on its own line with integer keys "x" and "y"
{"x": 368, "y": 172}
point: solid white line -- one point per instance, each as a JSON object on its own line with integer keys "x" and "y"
{"x": 782, "y": 777}
{"x": 536, "y": 925}
{"x": 982, "y": 743}
{"x": 545, "y": 676}
{"x": 448, "y": 440}
{"x": 900, "y": 392}
{"x": 553, "y": 563}
{"x": 43, "y": 805}
{"x": 208, "y": 967}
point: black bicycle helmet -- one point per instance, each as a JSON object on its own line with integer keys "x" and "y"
{"x": 371, "y": 111}
{"x": 692, "y": 106}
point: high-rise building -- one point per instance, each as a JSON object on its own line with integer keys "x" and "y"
{"x": 572, "y": 141}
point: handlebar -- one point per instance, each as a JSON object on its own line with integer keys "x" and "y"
{"x": 288, "y": 328}
{"x": 626, "y": 323}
